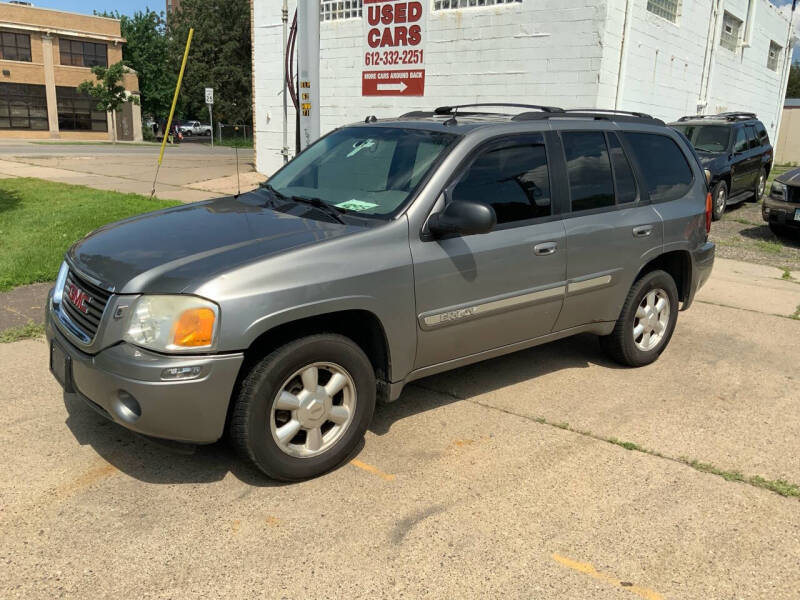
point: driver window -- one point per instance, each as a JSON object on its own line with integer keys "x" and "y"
{"x": 512, "y": 179}
{"x": 741, "y": 140}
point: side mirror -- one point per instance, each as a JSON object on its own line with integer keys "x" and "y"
{"x": 463, "y": 218}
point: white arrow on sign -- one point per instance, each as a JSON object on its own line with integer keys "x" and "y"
{"x": 400, "y": 87}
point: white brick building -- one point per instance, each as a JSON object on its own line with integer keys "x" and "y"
{"x": 665, "y": 57}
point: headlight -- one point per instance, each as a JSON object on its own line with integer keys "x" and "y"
{"x": 778, "y": 190}
{"x": 58, "y": 291}
{"x": 173, "y": 323}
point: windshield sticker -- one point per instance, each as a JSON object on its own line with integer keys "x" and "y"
{"x": 356, "y": 205}
{"x": 361, "y": 145}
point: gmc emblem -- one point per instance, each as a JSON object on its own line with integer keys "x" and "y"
{"x": 78, "y": 297}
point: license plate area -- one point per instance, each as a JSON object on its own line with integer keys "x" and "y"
{"x": 61, "y": 366}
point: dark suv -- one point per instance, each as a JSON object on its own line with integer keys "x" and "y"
{"x": 735, "y": 148}
{"x": 387, "y": 251}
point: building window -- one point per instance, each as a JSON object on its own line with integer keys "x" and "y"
{"x": 23, "y": 106}
{"x": 774, "y": 56}
{"x": 15, "y": 46}
{"x": 334, "y": 10}
{"x": 78, "y": 112}
{"x": 82, "y": 54}
{"x": 730, "y": 32}
{"x": 453, "y": 4}
{"x": 666, "y": 9}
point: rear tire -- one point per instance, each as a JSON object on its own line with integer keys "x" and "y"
{"x": 761, "y": 185}
{"x": 719, "y": 200}
{"x": 644, "y": 329}
{"x": 284, "y": 420}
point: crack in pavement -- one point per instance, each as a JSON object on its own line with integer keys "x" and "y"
{"x": 780, "y": 487}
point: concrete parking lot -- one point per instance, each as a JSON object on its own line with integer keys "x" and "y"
{"x": 189, "y": 172}
{"x": 550, "y": 473}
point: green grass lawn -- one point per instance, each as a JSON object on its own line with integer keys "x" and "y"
{"x": 40, "y": 220}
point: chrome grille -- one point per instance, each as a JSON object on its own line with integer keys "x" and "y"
{"x": 85, "y": 306}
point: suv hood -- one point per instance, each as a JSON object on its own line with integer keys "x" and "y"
{"x": 166, "y": 251}
{"x": 790, "y": 177}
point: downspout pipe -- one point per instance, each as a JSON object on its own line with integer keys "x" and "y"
{"x": 285, "y": 21}
{"x": 622, "y": 54}
{"x": 787, "y": 61}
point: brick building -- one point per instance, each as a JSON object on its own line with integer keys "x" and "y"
{"x": 44, "y": 56}
{"x": 665, "y": 57}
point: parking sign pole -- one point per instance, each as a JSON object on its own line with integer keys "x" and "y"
{"x": 210, "y": 105}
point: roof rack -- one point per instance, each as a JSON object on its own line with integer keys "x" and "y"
{"x": 610, "y": 111}
{"x": 590, "y": 113}
{"x": 728, "y": 116}
{"x": 453, "y": 110}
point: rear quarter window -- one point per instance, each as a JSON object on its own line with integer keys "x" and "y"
{"x": 667, "y": 174}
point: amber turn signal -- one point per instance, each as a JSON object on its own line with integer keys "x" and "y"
{"x": 194, "y": 328}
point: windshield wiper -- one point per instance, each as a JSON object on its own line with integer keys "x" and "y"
{"x": 332, "y": 211}
{"x": 274, "y": 192}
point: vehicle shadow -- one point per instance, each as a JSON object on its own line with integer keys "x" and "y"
{"x": 8, "y": 200}
{"x": 156, "y": 461}
{"x": 163, "y": 462}
{"x": 577, "y": 352}
{"x": 765, "y": 233}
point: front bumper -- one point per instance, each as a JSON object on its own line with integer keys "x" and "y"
{"x": 778, "y": 212}
{"x": 124, "y": 383}
{"x": 702, "y": 264}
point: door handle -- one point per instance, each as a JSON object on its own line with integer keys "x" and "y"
{"x": 545, "y": 248}
{"x": 642, "y": 230}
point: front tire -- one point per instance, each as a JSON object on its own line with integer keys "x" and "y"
{"x": 302, "y": 409}
{"x": 646, "y": 323}
{"x": 719, "y": 199}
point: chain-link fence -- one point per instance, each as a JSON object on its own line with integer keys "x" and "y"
{"x": 234, "y": 135}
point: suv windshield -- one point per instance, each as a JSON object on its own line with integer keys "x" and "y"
{"x": 367, "y": 170}
{"x": 706, "y": 138}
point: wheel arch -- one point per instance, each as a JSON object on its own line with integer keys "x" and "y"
{"x": 678, "y": 263}
{"x": 362, "y": 326}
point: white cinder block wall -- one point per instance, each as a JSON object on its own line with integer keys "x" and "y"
{"x": 538, "y": 51}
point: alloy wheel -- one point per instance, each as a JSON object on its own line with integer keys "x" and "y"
{"x": 651, "y": 320}
{"x": 313, "y": 409}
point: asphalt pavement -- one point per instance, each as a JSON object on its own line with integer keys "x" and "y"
{"x": 511, "y": 478}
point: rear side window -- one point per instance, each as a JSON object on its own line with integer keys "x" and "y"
{"x": 512, "y": 179}
{"x": 741, "y": 143}
{"x": 626, "y": 183}
{"x": 761, "y": 132}
{"x": 589, "y": 170}
{"x": 751, "y": 136}
{"x": 666, "y": 172}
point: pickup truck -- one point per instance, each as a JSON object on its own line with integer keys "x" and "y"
{"x": 195, "y": 128}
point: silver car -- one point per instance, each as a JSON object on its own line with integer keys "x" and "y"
{"x": 387, "y": 251}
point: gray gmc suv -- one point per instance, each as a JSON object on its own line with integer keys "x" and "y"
{"x": 387, "y": 251}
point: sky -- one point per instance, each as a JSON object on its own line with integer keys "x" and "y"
{"x": 125, "y": 7}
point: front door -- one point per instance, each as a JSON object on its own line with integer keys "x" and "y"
{"x": 479, "y": 292}
{"x": 741, "y": 171}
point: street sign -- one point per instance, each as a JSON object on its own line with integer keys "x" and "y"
{"x": 393, "y": 61}
{"x": 393, "y": 83}
{"x": 209, "y": 95}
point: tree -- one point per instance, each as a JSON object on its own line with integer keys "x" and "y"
{"x": 146, "y": 51}
{"x": 108, "y": 92}
{"x": 220, "y": 57}
{"x": 793, "y": 88}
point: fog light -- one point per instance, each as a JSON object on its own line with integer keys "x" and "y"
{"x": 127, "y": 407}
{"x": 181, "y": 373}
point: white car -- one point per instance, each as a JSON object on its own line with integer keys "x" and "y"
{"x": 195, "y": 128}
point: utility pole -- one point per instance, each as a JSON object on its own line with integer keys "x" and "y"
{"x": 285, "y": 20}
{"x": 308, "y": 67}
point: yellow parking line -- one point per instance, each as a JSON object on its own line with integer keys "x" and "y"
{"x": 588, "y": 569}
{"x": 370, "y": 469}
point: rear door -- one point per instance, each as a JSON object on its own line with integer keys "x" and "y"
{"x": 479, "y": 292}
{"x": 741, "y": 166}
{"x": 612, "y": 227}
